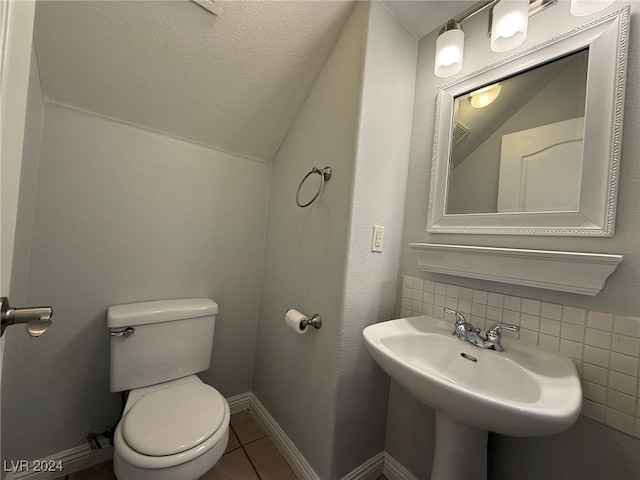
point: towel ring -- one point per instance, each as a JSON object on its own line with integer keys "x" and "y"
{"x": 325, "y": 175}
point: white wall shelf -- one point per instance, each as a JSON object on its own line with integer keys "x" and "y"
{"x": 575, "y": 272}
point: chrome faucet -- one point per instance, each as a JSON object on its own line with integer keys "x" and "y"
{"x": 494, "y": 335}
{"x": 466, "y": 331}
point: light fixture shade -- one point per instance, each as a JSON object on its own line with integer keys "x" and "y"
{"x": 580, "y": 8}
{"x": 485, "y": 96}
{"x": 449, "y": 50}
{"x": 509, "y": 24}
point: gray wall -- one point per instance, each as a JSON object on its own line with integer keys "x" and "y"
{"x": 28, "y": 176}
{"x": 305, "y": 254}
{"x": 378, "y": 198}
{"x": 126, "y": 215}
{"x": 318, "y": 260}
{"x": 410, "y": 444}
{"x": 620, "y": 294}
{"x": 22, "y": 248}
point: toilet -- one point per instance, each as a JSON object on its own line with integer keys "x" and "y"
{"x": 174, "y": 426}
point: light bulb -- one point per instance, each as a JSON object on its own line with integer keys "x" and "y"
{"x": 509, "y": 24}
{"x": 449, "y": 50}
{"x": 484, "y": 96}
{"x": 580, "y": 8}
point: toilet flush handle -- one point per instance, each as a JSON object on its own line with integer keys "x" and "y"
{"x": 127, "y": 332}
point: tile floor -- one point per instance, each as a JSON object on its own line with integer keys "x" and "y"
{"x": 250, "y": 455}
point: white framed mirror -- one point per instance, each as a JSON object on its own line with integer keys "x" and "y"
{"x": 531, "y": 145}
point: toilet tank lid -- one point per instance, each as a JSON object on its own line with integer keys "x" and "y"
{"x": 159, "y": 311}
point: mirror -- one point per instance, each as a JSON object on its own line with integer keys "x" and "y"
{"x": 531, "y": 145}
{"x": 517, "y": 144}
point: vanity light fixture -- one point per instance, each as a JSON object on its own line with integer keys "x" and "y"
{"x": 508, "y": 23}
{"x": 449, "y": 49}
{"x": 510, "y": 19}
{"x": 485, "y": 96}
{"x": 580, "y": 8}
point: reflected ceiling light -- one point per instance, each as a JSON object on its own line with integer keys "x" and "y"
{"x": 580, "y": 8}
{"x": 449, "y": 50}
{"x": 484, "y": 96}
{"x": 510, "y": 19}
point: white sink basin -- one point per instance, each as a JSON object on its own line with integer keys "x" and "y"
{"x": 523, "y": 391}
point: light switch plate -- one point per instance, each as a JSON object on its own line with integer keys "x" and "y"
{"x": 378, "y": 238}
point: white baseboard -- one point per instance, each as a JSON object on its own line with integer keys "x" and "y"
{"x": 394, "y": 470}
{"x": 295, "y": 459}
{"x": 369, "y": 470}
{"x": 81, "y": 457}
{"x": 72, "y": 460}
{"x": 239, "y": 403}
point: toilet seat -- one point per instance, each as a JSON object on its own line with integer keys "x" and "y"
{"x": 205, "y": 437}
{"x": 173, "y": 420}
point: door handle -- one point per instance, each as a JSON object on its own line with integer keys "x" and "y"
{"x": 37, "y": 319}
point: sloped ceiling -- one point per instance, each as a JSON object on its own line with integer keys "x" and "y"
{"x": 424, "y": 16}
{"x": 234, "y": 82}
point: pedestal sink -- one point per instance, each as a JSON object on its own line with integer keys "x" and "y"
{"x": 523, "y": 391}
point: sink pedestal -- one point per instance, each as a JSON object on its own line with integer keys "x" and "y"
{"x": 461, "y": 451}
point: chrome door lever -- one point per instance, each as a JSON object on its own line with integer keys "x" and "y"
{"x": 37, "y": 319}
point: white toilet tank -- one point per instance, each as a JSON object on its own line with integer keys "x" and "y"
{"x": 170, "y": 339}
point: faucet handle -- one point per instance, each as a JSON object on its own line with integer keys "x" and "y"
{"x": 495, "y": 329}
{"x": 459, "y": 317}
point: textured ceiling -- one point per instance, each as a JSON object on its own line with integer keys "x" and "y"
{"x": 233, "y": 82}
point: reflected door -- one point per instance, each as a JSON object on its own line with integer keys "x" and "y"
{"x": 540, "y": 168}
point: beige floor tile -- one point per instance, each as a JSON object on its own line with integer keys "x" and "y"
{"x": 233, "y": 441}
{"x": 101, "y": 471}
{"x": 232, "y": 466}
{"x": 268, "y": 462}
{"x": 246, "y": 427}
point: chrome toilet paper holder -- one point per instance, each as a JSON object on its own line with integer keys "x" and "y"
{"x": 315, "y": 321}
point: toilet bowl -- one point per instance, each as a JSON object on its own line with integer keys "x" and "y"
{"x": 172, "y": 431}
{"x": 174, "y": 426}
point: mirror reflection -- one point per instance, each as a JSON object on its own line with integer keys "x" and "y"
{"x": 517, "y": 143}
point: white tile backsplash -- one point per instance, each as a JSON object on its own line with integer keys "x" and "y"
{"x": 594, "y": 374}
{"x": 605, "y": 347}
{"x": 466, "y": 294}
{"x": 619, "y": 421}
{"x": 453, "y": 291}
{"x": 530, "y": 306}
{"x": 495, "y": 299}
{"x": 624, "y": 364}
{"x": 596, "y": 356}
{"x": 480, "y": 296}
{"x": 572, "y": 332}
{"x": 622, "y": 383}
{"x": 598, "y": 338}
{"x": 549, "y": 342}
{"x": 552, "y": 311}
{"x": 601, "y": 321}
{"x": 532, "y": 322}
{"x": 573, "y": 315}
{"x": 627, "y": 326}
{"x": 626, "y": 345}
{"x": 550, "y": 327}
{"x": 512, "y": 303}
